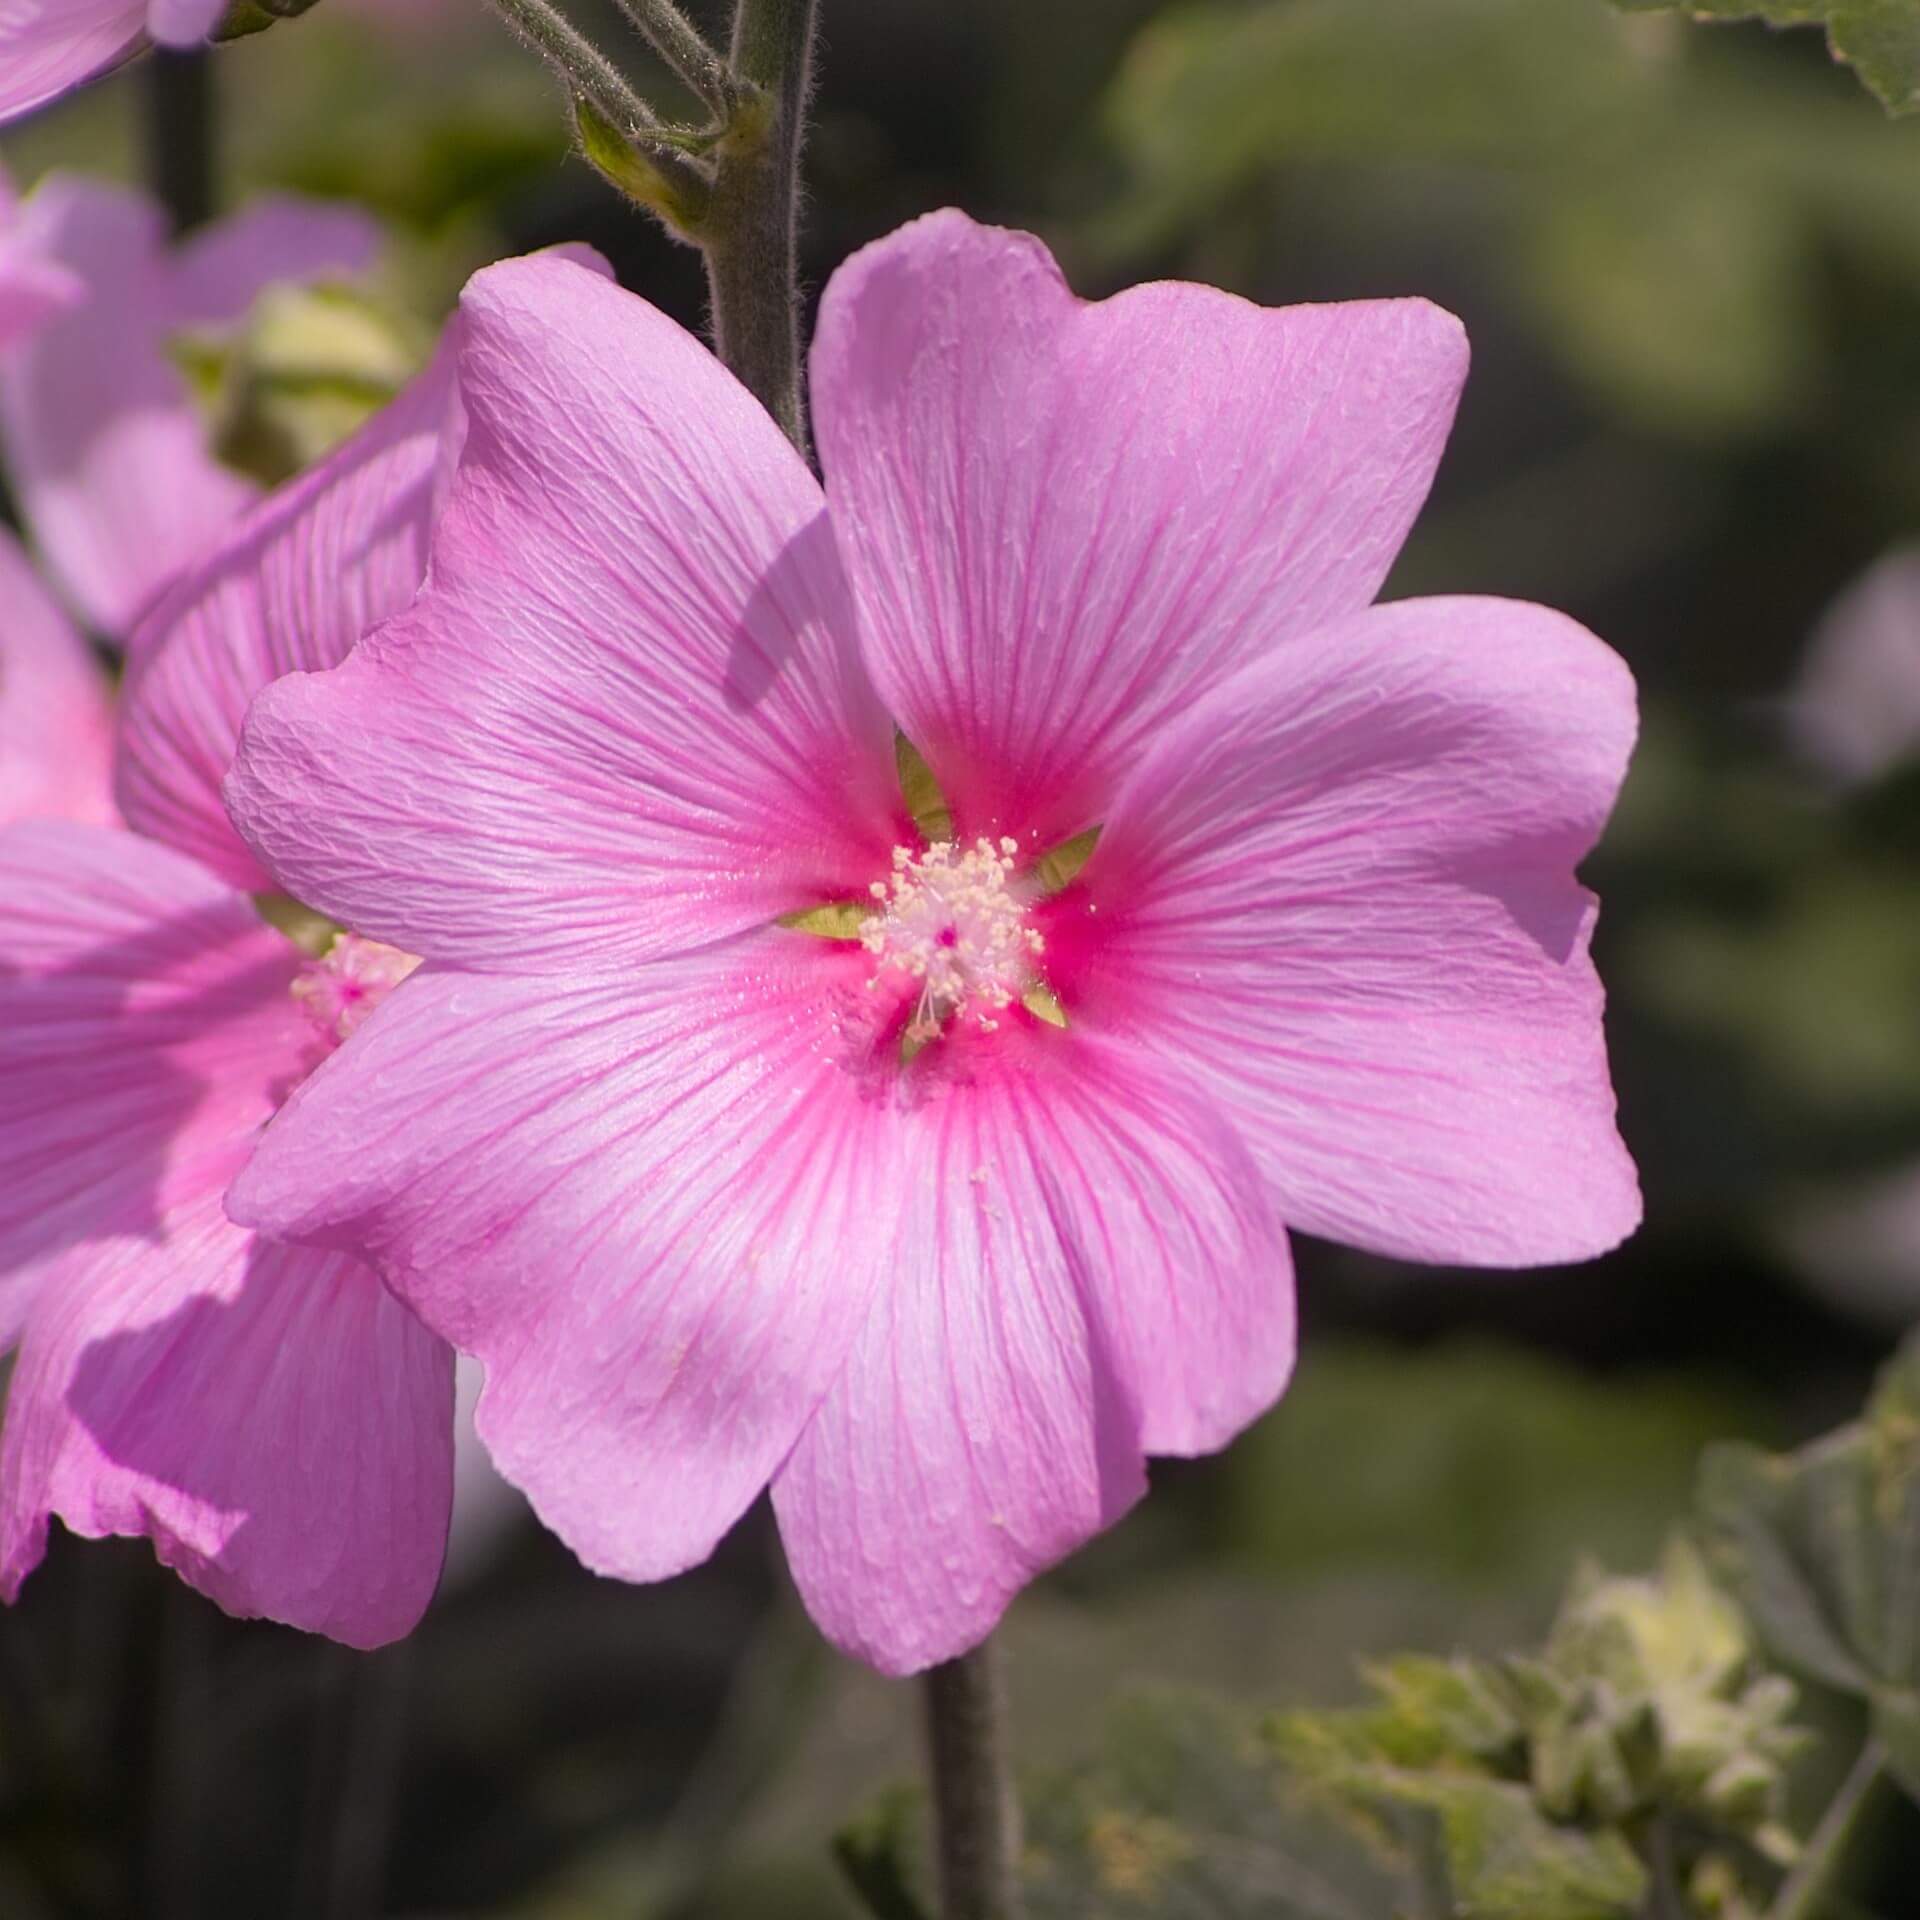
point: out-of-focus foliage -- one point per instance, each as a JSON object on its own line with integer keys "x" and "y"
{"x": 1637, "y": 1763}
{"x": 1823, "y": 1549}
{"x": 1473, "y": 1462}
{"x": 1660, "y": 218}
{"x": 1546, "y": 1774}
{"x": 1182, "y": 1815}
{"x": 1879, "y": 37}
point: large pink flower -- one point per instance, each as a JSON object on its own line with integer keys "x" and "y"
{"x": 106, "y": 450}
{"x": 56, "y": 728}
{"x": 271, "y": 1417}
{"x": 49, "y": 47}
{"x": 941, "y": 1227}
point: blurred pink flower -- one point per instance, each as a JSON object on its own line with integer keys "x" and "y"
{"x": 49, "y": 47}
{"x": 1856, "y": 712}
{"x": 106, "y": 449}
{"x": 941, "y": 1229}
{"x": 1856, "y": 709}
{"x": 271, "y": 1417}
{"x": 56, "y": 727}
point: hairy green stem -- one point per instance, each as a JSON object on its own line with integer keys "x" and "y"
{"x": 684, "y": 48}
{"x": 590, "y": 76}
{"x": 1805, "y": 1890}
{"x": 181, "y": 135}
{"x": 975, "y": 1815}
{"x": 749, "y": 237}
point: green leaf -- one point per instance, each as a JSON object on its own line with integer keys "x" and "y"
{"x": 880, "y": 1851}
{"x": 1822, "y": 1548}
{"x": 1879, "y": 39}
{"x": 1659, "y": 220}
{"x": 1504, "y": 1857}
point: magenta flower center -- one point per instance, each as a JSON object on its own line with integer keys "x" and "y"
{"x": 343, "y": 987}
{"x": 949, "y": 921}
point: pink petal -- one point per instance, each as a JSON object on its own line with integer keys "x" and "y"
{"x": 48, "y": 47}
{"x": 1063, "y": 521}
{"x": 291, "y": 588}
{"x": 56, "y": 730}
{"x": 184, "y": 23}
{"x": 1086, "y": 1268}
{"x": 146, "y": 1032}
{"x": 105, "y": 448}
{"x": 654, "y": 1205}
{"x": 274, "y": 1421}
{"x": 623, "y": 719}
{"x": 32, "y": 290}
{"x": 1341, "y": 891}
{"x": 222, "y": 270}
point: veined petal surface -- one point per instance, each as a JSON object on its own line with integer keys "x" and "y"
{"x": 276, "y": 1423}
{"x": 625, "y": 717}
{"x": 1086, "y": 1269}
{"x": 49, "y": 47}
{"x": 1342, "y": 892}
{"x": 1064, "y": 521}
{"x": 147, "y": 1030}
{"x": 653, "y": 1204}
{"x": 292, "y": 588}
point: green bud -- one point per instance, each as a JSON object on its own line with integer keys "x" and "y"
{"x": 305, "y": 369}
{"x": 626, "y": 165}
{"x": 247, "y": 17}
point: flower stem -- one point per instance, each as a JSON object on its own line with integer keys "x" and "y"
{"x": 1805, "y": 1890}
{"x": 682, "y": 46}
{"x": 976, "y": 1817}
{"x": 181, "y": 135}
{"x": 749, "y": 238}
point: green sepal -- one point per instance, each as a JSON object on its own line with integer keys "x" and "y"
{"x": 625, "y": 165}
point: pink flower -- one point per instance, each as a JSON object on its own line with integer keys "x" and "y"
{"x": 1857, "y": 706}
{"x": 49, "y": 47}
{"x": 107, "y": 452}
{"x": 942, "y": 1227}
{"x": 271, "y": 1417}
{"x": 56, "y": 729}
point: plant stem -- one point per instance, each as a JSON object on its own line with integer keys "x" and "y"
{"x": 976, "y": 1817}
{"x": 749, "y": 239}
{"x": 180, "y": 135}
{"x": 684, "y": 48}
{"x": 1810, "y": 1883}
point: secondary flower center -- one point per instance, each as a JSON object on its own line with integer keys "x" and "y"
{"x": 949, "y": 920}
{"x": 341, "y": 988}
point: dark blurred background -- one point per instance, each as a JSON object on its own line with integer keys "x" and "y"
{"x": 1689, "y": 263}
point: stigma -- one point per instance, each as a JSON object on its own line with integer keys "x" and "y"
{"x": 341, "y": 989}
{"x": 948, "y": 920}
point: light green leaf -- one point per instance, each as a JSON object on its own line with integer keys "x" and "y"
{"x": 1822, "y": 1548}
{"x": 1879, "y": 39}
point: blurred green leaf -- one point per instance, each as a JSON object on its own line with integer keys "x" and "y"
{"x": 1514, "y": 1467}
{"x": 1880, "y": 39}
{"x": 1182, "y": 1815}
{"x": 1663, "y": 220}
{"x": 1822, "y": 1548}
{"x": 1504, "y": 1858}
